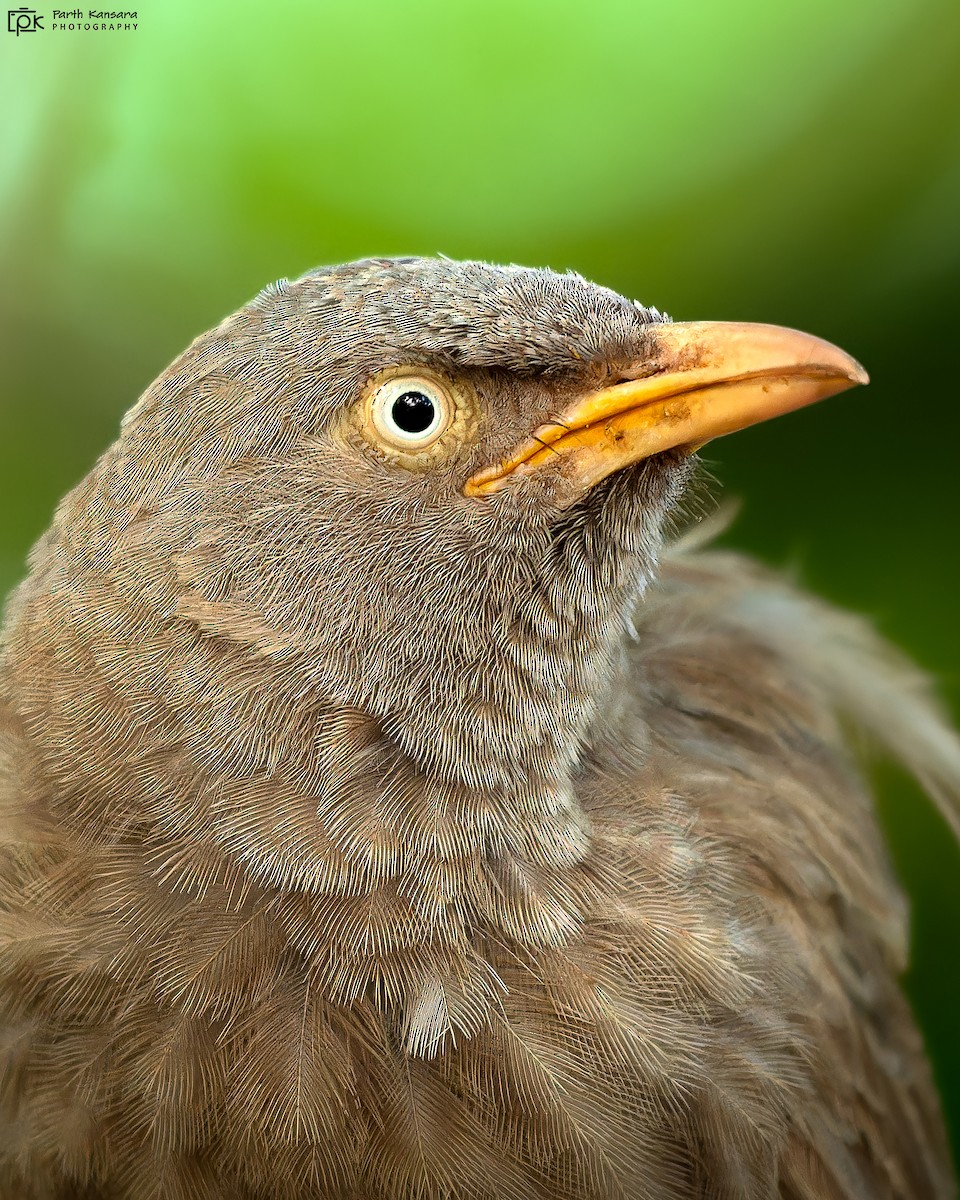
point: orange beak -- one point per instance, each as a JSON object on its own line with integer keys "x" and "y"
{"x": 706, "y": 378}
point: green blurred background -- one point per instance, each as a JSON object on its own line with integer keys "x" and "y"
{"x": 790, "y": 162}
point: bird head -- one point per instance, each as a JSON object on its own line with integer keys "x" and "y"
{"x": 386, "y": 527}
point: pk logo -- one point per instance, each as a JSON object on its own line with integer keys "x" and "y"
{"x": 23, "y": 20}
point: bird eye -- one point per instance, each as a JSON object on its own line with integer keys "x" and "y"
{"x": 410, "y": 412}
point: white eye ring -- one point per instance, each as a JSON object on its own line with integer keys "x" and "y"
{"x": 410, "y": 412}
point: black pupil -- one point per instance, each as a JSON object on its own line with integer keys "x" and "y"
{"x": 413, "y": 412}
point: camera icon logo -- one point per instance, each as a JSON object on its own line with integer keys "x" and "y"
{"x": 23, "y": 20}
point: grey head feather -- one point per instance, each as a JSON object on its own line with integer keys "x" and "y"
{"x": 479, "y": 637}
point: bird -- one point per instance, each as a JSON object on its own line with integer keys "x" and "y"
{"x": 402, "y": 799}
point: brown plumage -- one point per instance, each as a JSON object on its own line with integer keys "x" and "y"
{"x": 384, "y": 816}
